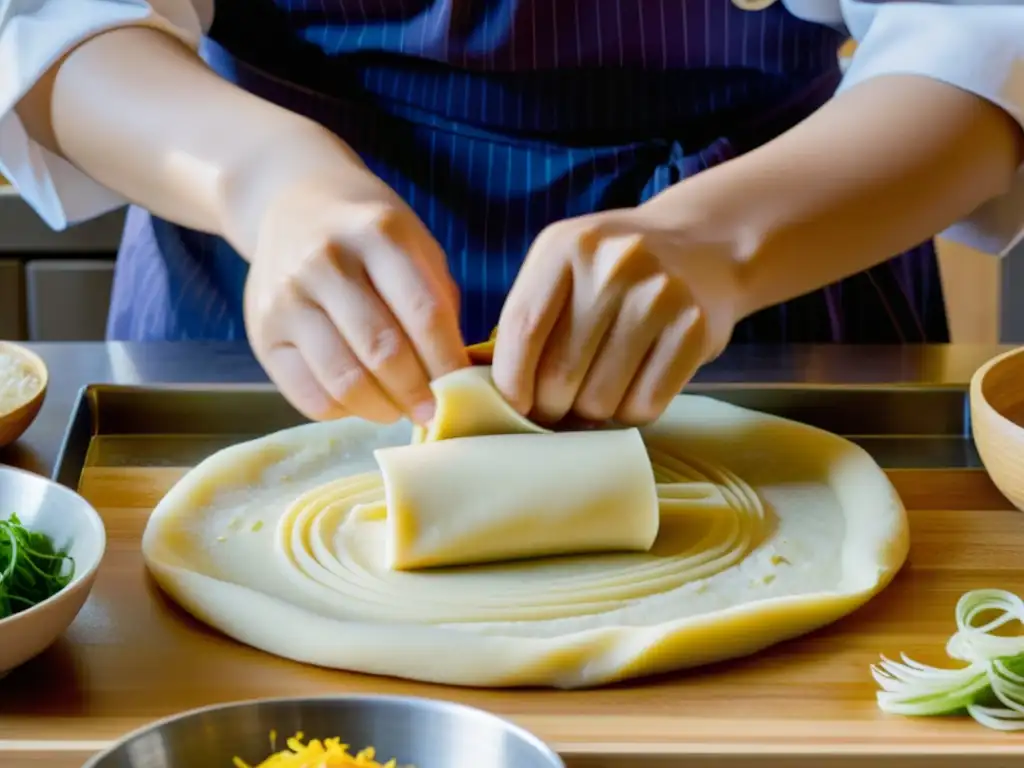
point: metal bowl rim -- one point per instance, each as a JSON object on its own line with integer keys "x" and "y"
{"x": 80, "y": 576}
{"x": 451, "y": 706}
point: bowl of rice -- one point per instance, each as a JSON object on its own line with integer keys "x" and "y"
{"x": 23, "y": 380}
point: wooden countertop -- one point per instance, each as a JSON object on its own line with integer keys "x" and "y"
{"x": 131, "y": 657}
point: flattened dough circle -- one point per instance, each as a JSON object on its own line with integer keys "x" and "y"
{"x": 823, "y": 533}
{"x": 326, "y": 548}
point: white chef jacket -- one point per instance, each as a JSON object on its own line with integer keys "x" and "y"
{"x": 976, "y": 45}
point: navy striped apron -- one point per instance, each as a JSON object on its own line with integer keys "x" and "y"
{"x": 495, "y": 118}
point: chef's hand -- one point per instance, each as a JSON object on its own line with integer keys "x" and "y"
{"x": 611, "y": 314}
{"x": 349, "y": 304}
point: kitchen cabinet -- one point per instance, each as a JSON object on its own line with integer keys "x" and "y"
{"x": 54, "y": 286}
{"x": 67, "y": 299}
{"x": 12, "y": 305}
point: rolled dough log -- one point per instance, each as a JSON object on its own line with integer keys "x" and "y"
{"x": 502, "y": 497}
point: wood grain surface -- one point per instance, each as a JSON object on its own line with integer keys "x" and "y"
{"x": 132, "y": 657}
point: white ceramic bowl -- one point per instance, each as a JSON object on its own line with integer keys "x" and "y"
{"x": 72, "y": 524}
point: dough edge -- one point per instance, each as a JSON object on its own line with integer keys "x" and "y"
{"x": 874, "y": 550}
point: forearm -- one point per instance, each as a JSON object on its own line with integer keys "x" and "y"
{"x": 167, "y": 133}
{"x": 879, "y": 169}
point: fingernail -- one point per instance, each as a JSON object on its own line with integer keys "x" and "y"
{"x": 423, "y": 413}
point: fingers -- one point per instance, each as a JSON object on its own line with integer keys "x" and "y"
{"x": 429, "y": 250}
{"x": 337, "y": 370}
{"x": 574, "y": 343}
{"x": 678, "y": 353}
{"x": 621, "y": 286}
{"x": 640, "y": 320}
{"x": 409, "y": 271}
{"x": 367, "y": 327}
{"x": 527, "y": 322}
{"x": 596, "y": 328}
{"x": 557, "y": 320}
{"x": 286, "y": 367}
{"x": 533, "y": 306}
{"x": 351, "y": 308}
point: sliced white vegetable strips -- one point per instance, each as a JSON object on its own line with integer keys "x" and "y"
{"x": 990, "y": 688}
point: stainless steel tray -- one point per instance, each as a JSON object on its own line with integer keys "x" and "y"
{"x": 902, "y": 427}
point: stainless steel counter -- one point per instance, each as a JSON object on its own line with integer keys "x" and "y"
{"x": 74, "y": 365}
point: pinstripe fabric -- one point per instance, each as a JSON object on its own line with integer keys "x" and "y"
{"x": 494, "y": 119}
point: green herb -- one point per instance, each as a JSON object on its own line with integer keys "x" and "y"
{"x": 31, "y": 570}
{"x": 990, "y": 688}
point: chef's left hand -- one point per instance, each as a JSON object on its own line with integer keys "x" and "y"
{"x": 611, "y": 314}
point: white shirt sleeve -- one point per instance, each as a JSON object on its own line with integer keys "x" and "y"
{"x": 34, "y": 34}
{"x": 975, "y": 45}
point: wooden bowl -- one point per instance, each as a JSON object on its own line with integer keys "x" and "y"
{"x": 14, "y": 422}
{"x": 997, "y": 422}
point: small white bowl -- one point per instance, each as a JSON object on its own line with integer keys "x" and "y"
{"x": 72, "y": 524}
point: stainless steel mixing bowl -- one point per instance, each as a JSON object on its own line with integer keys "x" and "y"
{"x": 420, "y": 732}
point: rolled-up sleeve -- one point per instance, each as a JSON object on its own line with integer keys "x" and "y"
{"x": 34, "y": 35}
{"x": 974, "y": 45}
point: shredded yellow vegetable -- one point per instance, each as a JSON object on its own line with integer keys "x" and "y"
{"x": 329, "y": 753}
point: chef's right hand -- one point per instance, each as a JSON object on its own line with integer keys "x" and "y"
{"x": 349, "y": 305}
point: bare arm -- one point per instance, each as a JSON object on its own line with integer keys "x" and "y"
{"x": 171, "y": 135}
{"x": 880, "y": 168}
{"x": 361, "y": 335}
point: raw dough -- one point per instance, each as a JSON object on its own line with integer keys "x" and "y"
{"x": 469, "y": 405}
{"x": 500, "y": 497}
{"x": 498, "y": 487}
{"x": 799, "y": 528}
{"x": 476, "y": 498}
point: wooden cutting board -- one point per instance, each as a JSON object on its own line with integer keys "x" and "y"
{"x": 132, "y": 657}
